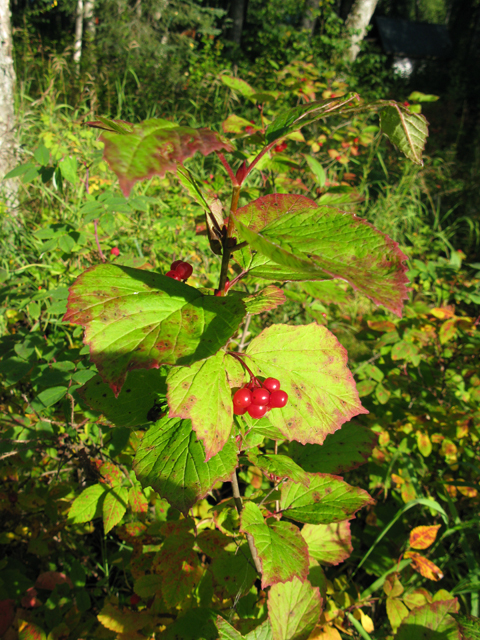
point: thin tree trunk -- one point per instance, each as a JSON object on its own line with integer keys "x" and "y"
{"x": 88, "y": 13}
{"x": 7, "y": 112}
{"x": 357, "y": 21}
{"x": 77, "y": 47}
{"x": 309, "y": 18}
{"x": 237, "y": 14}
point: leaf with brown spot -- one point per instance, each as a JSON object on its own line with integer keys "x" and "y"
{"x": 203, "y": 393}
{"x": 311, "y": 365}
{"x": 328, "y": 543}
{"x": 431, "y": 622}
{"x": 424, "y": 566}
{"x": 264, "y": 300}
{"x": 136, "y": 319}
{"x": 293, "y": 609}
{"x": 424, "y": 536}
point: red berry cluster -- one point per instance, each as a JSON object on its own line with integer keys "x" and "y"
{"x": 258, "y": 398}
{"x": 180, "y": 270}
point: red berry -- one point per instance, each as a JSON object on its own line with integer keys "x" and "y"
{"x": 134, "y": 599}
{"x": 239, "y": 411}
{"x": 278, "y": 399}
{"x": 115, "y": 251}
{"x": 175, "y": 264}
{"x": 272, "y": 384}
{"x": 257, "y": 410}
{"x": 261, "y": 396}
{"x": 242, "y": 398}
{"x": 184, "y": 270}
{"x": 173, "y": 274}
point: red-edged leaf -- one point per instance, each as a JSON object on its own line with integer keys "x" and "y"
{"x": 424, "y": 536}
{"x": 294, "y": 609}
{"x": 430, "y": 622}
{"x": 300, "y": 240}
{"x": 154, "y": 147}
{"x": 136, "y": 319}
{"x": 312, "y": 368}
{"x": 424, "y": 566}
{"x": 282, "y": 551}
{"x": 328, "y": 543}
{"x": 264, "y": 300}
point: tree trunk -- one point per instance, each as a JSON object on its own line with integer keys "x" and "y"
{"x": 89, "y": 20}
{"x": 309, "y": 18}
{"x": 357, "y": 22}
{"x": 237, "y": 15}
{"x": 77, "y": 47}
{"x": 7, "y": 113}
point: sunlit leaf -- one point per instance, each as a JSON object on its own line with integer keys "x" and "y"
{"x": 86, "y": 506}
{"x": 328, "y": 543}
{"x": 431, "y": 622}
{"x": 424, "y": 566}
{"x": 407, "y": 130}
{"x": 293, "y": 609}
{"x": 424, "y": 536}
{"x": 264, "y": 300}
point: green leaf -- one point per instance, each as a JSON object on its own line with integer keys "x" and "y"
{"x": 172, "y": 461}
{"x": 87, "y": 505}
{"x": 418, "y": 96}
{"x": 407, "y": 130}
{"x": 148, "y": 585}
{"x": 69, "y": 168}
{"x": 237, "y": 124}
{"x": 234, "y": 571}
{"x": 346, "y": 449}
{"x": 195, "y": 624}
{"x": 154, "y": 147}
{"x": 312, "y": 368}
{"x": 50, "y": 396}
{"x": 469, "y": 626}
{"x": 238, "y": 85}
{"x": 114, "y": 507}
{"x": 304, "y": 241}
{"x": 203, "y": 393}
{"x": 328, "y": 499}
{"x": 227, "y": 632}
{"x": 293, "y": 609}
{"x": 264, "y": 300}
{"x": 137, "y": 319}
{"x": 298, "y": 117}
{"x": 317, "y": 170}
{"x": 282, "y": 467}
{"x": 328, "y": 543}
{"x": 42, "y": 155}
{"x": 281, "y": 549}
{"x": 138, "y": 402}
{"x": 430, "y": 622}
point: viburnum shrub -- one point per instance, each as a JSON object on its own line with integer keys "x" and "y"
{"x": 163, "y": 353}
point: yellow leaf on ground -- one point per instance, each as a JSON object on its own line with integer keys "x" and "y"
{"x": 325, "y": 633}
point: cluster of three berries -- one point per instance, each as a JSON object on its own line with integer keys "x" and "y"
{"x": 180, "y": 270}
{"x": 258, "y": 400}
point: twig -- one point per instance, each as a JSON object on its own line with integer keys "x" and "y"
{"x": 102, "y": 257}
{"x": 241, "y": 346}
{"x": 238, "y": 503}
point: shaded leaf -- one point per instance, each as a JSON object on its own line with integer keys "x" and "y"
{"x": 312, "y": 367}
{"x": 238, "y": 85}
{"x": 424, "y": 566}
{"x": 328, "y": 499}
{"x": 30, "y": 631}
{"x": 346, "y": 449}
{"x": 234, "y": 571}
{"x": 469, "y": 626}
{"x": 281, "y": 549}
{"x": 293, "y": 609}
{"x": 203, "y": 393}
{"x": 111, "y": 617}
{"x": 49, "y": 579}
{"x": 172, "y": 461}
{"x": 431, "y": 622}
{"x": 282, "y": 466}
{"x": 238, "y": 125}
{"x": 328, "y": 543}
{"x": 195, "y": 624}
{"x": 227, "y": 632}
{"x": 408, "y": 131}
{"x": 424, "y": 536}
{"x": 317, "y": 170}
{"x": 311, "y": 242}
{"x": 135, "y": 319}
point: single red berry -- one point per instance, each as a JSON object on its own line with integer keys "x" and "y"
{"x": 242, "y": 398}
{"x": 184, "y": 270}
{"x": 278, "y": 399}
{"x": 257, "y": 410}
{"x": 239, "y": 411}
{"x": 115, "y": 251}
{"x": 134, "y": 599}
{"x": 173, "y": 274}
{"x": 272, "y": 384}
{"x": 261, "y": 396}
{"x": 175, "y": 264}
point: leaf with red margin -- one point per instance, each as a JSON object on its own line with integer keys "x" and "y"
{"x": 294, "y": 609}
{"x": 311, "y": 365}
{"x": 202, "y": 392}
{"x": 153, "y": 147}
{"x": 265, "y": 300}
{"x": 344, "y": 450}
{"x": 172, "y": 461}
{"x": 328, "y": 499}
{"x": 424, "y": 566}
{"x": 282, "y": 551}
{"x": 227, "y": 632}
{"x": 430, "y": 622}
{"x": 328, "y": 543}
{"x": 314, "y": 242}
{"x": 424, "y": 536}
{"x": 136, "y": 319}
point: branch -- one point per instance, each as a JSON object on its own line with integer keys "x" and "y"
{"x": 238, "y": 503}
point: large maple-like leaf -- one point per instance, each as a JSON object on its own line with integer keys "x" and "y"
{"x": 203, "y": 393}
{"x": 304, "y": 241}
{"x": 153, "y": 147}
{"x": 136, "y": 319}
{"x": 294, "y": 609}
{"x": 172, "y": 461}
{"x": 282, "y": 551}
{"x": 346, "y": 449}
{"x": 327, "y": 499}
{"x": 312, "y": 368}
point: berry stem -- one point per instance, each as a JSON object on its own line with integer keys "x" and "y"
{"x": 238, "y": 356}
{"x": 228, "y": 168}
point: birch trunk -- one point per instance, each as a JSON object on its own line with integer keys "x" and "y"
{"x": 309, "y": 18}
{"x": 88, "y": 13}
{"x": 7, "y": 113}
{"x": 357, "y": 21}
{"x": 77, "y": 47}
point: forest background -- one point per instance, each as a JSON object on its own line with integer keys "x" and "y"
{"x": 80, "y": 569}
